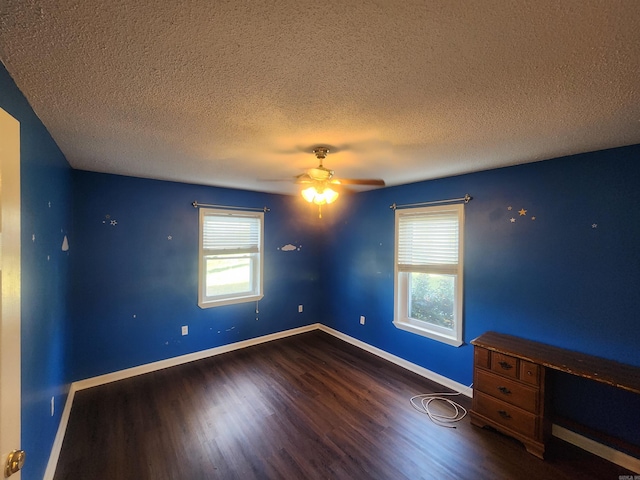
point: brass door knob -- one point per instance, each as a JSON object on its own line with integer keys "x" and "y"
{"x": 15, "y": 461}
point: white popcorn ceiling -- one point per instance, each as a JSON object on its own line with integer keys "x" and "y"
{"x": 230, "y": 93}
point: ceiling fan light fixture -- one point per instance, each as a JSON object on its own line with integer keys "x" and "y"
{"x": 330, "y": 195}
{"x": 320, "y": 180}
{"x": 320, "y": 195}
{"x": 309, "y": 193}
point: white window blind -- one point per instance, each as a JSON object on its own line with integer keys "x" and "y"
{"x": 428, "y": 239}
{"x": 224, "y": 234}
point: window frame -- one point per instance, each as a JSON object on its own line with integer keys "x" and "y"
{"x": 402, "y": 296}
{"x": 257, "y": 262}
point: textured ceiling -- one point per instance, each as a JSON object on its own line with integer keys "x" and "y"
{"x": 230, "y": 93}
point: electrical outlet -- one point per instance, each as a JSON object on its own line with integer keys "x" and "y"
{"x": 299, "y": 308}
{"x": 185, "y": 330}
{"x": 361, "y": 319}
{"x": 53, "y": 405}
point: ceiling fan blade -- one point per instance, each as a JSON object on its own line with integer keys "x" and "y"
{"x": 303, "y": 178}
{"x": 361, "y": 181}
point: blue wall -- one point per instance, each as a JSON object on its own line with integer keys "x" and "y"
{"x": 555, "y": 279}
{"x": 46, "y": 206}
{"x": 134, "y": 287}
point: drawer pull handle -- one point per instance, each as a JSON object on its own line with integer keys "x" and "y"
{"x": 505, "y": 390}
{"x": 506, "y": 365}
{"x": 503, "y": 414}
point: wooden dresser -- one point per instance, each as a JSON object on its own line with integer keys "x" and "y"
{"x": 508, "y": 395}
{"x": 510, "y": 390}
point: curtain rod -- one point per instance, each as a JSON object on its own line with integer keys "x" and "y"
{"x": 466, "y": 199}
{"x": 231, "y": 207}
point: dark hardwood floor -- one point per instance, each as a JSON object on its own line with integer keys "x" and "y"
{"x": 304, "y": 407}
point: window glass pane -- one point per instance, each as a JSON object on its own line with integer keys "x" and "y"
{"x": 431, "y": 299}
{"x": 228, "y": 274}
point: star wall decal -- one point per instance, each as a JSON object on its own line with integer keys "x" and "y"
{"x": 523, "y": 212}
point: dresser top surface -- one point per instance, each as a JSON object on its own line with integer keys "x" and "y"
{"x": 595, "y": 368}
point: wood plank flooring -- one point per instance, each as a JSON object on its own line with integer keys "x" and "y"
{"x": 304, "y": 407}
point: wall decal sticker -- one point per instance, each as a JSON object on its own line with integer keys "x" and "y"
{"x": 169, "y": 237}
{"x": 109, "y": 220}
{"x": 594, "y": 225}
{"x": 33, "y": 237}
{"x": 65, "y": 244}
{"x": 289, "y": 248}
{"x": 522, "y": 212}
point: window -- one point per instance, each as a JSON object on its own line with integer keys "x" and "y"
{"x": 428, "y": 272}
{"x": 230, "y": 257}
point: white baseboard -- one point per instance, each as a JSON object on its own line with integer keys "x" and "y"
{"x": 603, "y": 451}
{"x": 172, "y": 362}
{"x": 57, "y": 442}
{"x": 447, "y": 382}
{"x": 608, "y": 453}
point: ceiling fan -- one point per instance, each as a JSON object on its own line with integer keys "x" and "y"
{"x": 320, "y": 181}
{"x": 323, "y": 174}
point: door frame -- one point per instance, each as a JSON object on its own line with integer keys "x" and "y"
{"x": 10, "y": 278}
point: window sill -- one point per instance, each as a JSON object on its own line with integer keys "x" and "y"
{"x": 454, "y": 342}
{"x": 229, "y": 301}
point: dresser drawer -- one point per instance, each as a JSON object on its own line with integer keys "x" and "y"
{"x": 529, "y": 372}
{"x": 504, "y": 364}
{"x": 481, "y": 357}
{"x": 508, "y": 390}
{"x": 505, "y": 414}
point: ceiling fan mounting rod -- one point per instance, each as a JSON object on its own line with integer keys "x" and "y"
{"x": 321, "y": 153}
